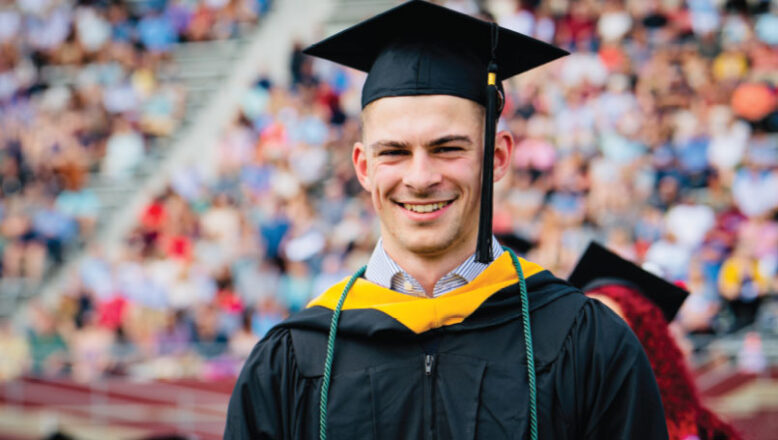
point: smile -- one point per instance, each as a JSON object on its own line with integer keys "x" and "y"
{"x": 429, "y": 207}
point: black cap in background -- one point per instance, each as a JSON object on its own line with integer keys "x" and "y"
{"x": 598, "y": 267}
{"x": 419, "y": 48}
{"x": 518, "y": 244}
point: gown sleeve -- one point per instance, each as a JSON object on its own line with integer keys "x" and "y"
{"x": 616, "y": 393}
{"x": 260, "y": 404}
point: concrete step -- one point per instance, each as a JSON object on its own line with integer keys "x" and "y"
{"x": 198, "y": 98}
{"x": 109, "y": 196}
{"x": 206, "y": 87}
{"x": 207, "y": 49}
{"x": 361, "y": 9}
{"x": 349, "y": 12}
{"x": 211, "y": 73}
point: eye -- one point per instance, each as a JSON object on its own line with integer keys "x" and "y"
{"x": 393, "y": 152}
{"x": 448, "y": 149}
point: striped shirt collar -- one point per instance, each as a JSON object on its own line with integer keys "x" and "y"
{"x": 385, "y": 272}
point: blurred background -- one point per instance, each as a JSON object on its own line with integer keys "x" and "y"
{"x": 175, "y": 179}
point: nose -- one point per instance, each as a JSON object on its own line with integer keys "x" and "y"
{"x": 422, "y": 173}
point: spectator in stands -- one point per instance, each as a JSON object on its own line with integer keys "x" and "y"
{"x": 296, "y": 286}
{"x": 743, "y": 282}
{"x": 156, "y": 32}
{"x": 53, "y": 228}
{"x": 80, "y": 204}
{"x": 701, "y": 306}
{"x": 48, "y": 349}
{"x": 124, "y": 150}
{"x": 90, "y": 349}
{"x": 752, "y": 190}
{"x": 210, "y": 340}
{"x": 244, "y": 339}
{"x": 23, "y": 255}
{"x": 16, "y": 358}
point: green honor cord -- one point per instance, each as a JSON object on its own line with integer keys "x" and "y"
{"x": 533, "y": 398}
{"x": 325, "y": 383}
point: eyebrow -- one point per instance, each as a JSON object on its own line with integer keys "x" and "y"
{"x": 449, "y": 139}
{"x": 434, "y": 143}
{"x": 389, "y": 144}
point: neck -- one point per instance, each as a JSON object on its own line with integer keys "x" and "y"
{"x": 428, "y": 269}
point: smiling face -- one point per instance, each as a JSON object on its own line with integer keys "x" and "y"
{"x": 420, "y": 159}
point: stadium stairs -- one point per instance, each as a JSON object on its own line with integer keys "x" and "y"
{"x": 215, "y": 75}
{"x": 200, "y": 68}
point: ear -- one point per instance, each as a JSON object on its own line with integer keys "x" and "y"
{"x": 503, "y": 150}
{"x": 359, "y": 159}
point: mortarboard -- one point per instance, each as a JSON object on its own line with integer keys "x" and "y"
{"x": 419, "y": 48}
{"x": 598, "y": 267}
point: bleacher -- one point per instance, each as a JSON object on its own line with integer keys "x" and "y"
{"x": 200, "y": 68}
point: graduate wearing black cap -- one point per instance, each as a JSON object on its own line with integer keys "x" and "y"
{"x": 444, "y": 334}
{"x": 648, "y": 303}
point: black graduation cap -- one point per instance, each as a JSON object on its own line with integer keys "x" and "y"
{"x": 598, "y": 267}
{"x": 419, "y": 48}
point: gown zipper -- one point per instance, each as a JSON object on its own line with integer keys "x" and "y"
{"x": 429, "y": 364}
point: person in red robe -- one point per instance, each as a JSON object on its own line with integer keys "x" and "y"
{"x": 648, "y": 303}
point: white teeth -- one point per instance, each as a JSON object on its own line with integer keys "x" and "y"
{"x": 425, "y": 208}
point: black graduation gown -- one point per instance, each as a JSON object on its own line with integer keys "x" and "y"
{"x": 452, "y": 367}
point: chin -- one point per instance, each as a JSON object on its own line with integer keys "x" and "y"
{"x": 427, "y": 249}
{"x": 427, "y": 243}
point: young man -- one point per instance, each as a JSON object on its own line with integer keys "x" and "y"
{"x": 435, "y": 338}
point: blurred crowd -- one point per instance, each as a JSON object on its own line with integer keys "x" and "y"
{"x": 85, "y": 88}
{"x": 657, "y": 137}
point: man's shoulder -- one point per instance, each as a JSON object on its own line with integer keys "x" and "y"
{"x": 268, "y": 351}
{"x": 277, "y": 349}
{"x": 595, "y": 331}
{"x": 564, "y": 320}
